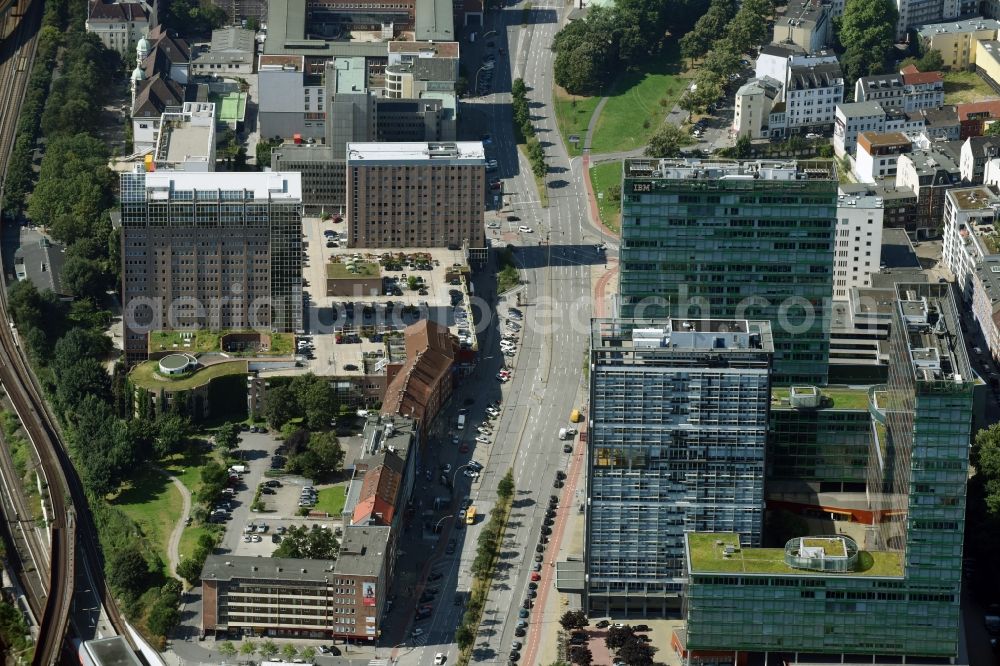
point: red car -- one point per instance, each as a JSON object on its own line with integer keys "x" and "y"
{"x": 464, "y": 448}
{"x": 536, "y": 576}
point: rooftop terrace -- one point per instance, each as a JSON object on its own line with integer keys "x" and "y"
{"x": 237, "y": 342}
{"x": 706, "y": 555}
{"x": 146, "y": 375}
{"x": 835, "y": 398}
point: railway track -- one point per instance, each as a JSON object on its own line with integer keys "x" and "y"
{"x": 71, "y": 524}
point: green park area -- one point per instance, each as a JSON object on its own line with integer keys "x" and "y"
{"x": 573, "y": 114}
{"x": 331, "y": 500}
{"x": 147, "y": 375}
{"x": 638, "y": 102}
{"x": 339, "y": 270}
{"x": 207, "y": 340}
{"x": 606, "y": 179}
{"x": 187, "y": 468}
{"x": 707, "y": 555}
{"x": 152, "y": 501}
{"x": 961, "y": 87}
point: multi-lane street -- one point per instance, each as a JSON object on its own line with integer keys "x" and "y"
{"x": 555, "y": 261}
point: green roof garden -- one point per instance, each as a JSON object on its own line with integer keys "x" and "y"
{"x": 148, "y": 376}
{"x": 337, "y": 270}
{"x": 835, "y": 398}
{"x": 239, "y": 342}
{"x": 705, "y": 555}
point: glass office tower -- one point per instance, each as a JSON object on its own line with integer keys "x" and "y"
{"x": 895, "y": 597}
{"x": 679, "y": 413}
{"x": 736, "y": 240}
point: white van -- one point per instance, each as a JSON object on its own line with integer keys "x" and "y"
{"x": 460, "y": 425}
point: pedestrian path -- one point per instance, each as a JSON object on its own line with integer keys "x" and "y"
{"x": 173, "y": 547}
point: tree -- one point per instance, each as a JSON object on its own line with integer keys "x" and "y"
{"x": 867, "y": 31}
{"x": 636, "y": 653}
{"x": 227, "y": 649}
{"x": 723, "y": 60}
{"x": 505, "y": 489}
{"x": 618, "y": 636}
{"x": 464, "y": 636}
{"x": 227, "y": 436}
{"x": 314, "y": 544}
{"x": 268, "y": 649}
{"x": 581, "y": 654}
{"x": 190, "y": 570}
{"x": 518, "y": 89}
{"x": 985, "y": 457}
{"x": 667, "y": 141}
{"x": 163, "y": 617}
{"x": 323, "y": 457}
{"x": 317, "y": 401}
{"x": 84, "y": 278}
{"x": 289, "y": 651}
{"x": 574, "y": 619}
{"x": 127, "y": 569}
{"x": 262, "y": 153}
{"x": 993, "y": 129}
{"x": 280, "y": 405}
{"x": 931, "y": 61}
{"x": 172, "y": 433}
{"x": 249, "y": 648}
{"x": 308, "y": 653}
{"x": 743, "y": 146}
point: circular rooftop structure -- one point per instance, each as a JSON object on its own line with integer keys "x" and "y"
{"x": 177, "y": 364}
{"x": 829, "y": 554}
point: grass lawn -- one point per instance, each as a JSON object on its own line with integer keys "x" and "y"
{"x": 155, "y": 505}
{"x": 603, "y": 177}
{"x": 573, "y": 115}
{"x": 146, "y": 375}
{"x": 187, "y": 468}
{"x": 638, "y": 102}
{"x": 839, "y": 398}
{"x": 963, "y": 87}
{"x": 204, "y": 340}
{"x": 331, "y": 500}
{"x": 338, "y": 270}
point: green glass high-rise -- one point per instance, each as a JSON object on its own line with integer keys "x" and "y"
{"x": 738, "y": 240}
{"x": 893, "y": 597}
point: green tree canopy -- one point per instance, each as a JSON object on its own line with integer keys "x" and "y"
{"x": 667, "y": 141}
{"x": 867, "y": 30}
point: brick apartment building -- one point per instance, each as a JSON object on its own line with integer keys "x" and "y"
{"x": 408, "y": 195}
{"x": 209, "y": 250}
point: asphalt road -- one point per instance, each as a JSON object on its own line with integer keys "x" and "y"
{"x": 548, "y": 370}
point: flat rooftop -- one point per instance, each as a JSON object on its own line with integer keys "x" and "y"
{"x": 885, "y": 139}
{"x": 362, "y": 550}
{"x": 693, "y": 169}
{"x": 716, "y": 335}
{"x": 112, "y": 651}
{"x": 835, "y": 398}
{"x": 228, "y": 567}
{"x": 973, "y": 198}
{"x": 707, "y": 555}
{"x": 146, "y": 375}
{"x": 934, "y": 335}
{"x": 439, "y": 49}
{"x": 898, "y": 250}
{"x": 458, "y": 152}
{"x": 974, "y": 24}
{"x": 233, "y": 186}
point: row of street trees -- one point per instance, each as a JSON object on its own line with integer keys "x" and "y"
{"x": 524, "y": 130}
{"x": 267, "y": 649}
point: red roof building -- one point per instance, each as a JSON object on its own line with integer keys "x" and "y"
{"x": 972, "y": 117}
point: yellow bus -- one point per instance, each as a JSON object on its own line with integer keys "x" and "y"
{"x": 470, "y": 515}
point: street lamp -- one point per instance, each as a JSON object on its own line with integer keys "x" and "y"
{"x": 448, "y": 517}
{"x": 454, "y": 476}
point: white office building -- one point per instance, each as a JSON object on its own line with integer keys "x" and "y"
{"x": 969, "y": 233}
{"x": 859, "y": 243}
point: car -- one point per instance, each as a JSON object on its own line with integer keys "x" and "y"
{"x": 484, "y": 431}
{"x": 464, "y": 448}
{"x": 618, "y": 662}
{"x": 486, "y": 139}
{"x": 434, "y": 576}
{"x": 439, "y": 659}
{"x": 813, "y": 135}
{"x": 642, "y": 627}
{"x": 578, "y": 639}
{"x": 281, "y": 530}
{"x": 513, "y": 218}
{"x": 493, "y": 411}
{"x": 536, "y": 576}
{"x": 425, "y": 597}
{"x": 334, "y": 650}
{"x": 273, "y": 483}
{"x": 546, "y": 531}
{"x": 450, "y": 548}
{"x": 539, "y": 557}
{"x": 455, "y": 439}
{"x": 560, "y": 475}
{"x": 519, "y": 632}
{"x": 644, "y": 638}
{"x": 516, "y": 645}
{"x": 540, "y": 548}
{"x": 482, "y": 439}
{"x": 532, "y": 585}
{"x": 557, "y": 483}
{"x": 537, "y": 566}
{"x": 503, "y": 379}
{"x": 266, "y": 491}
{"x": 476, "y": 465}
{"x": 247, "y": 539}
{"x": 446, "y": 468}
{"x": 977, "y": 350}
{"x": 256, "y": 538}
{"x": 471, "y": 473}
{"x": 276, "y": 538}
{"x": 493, "y": 225}
{"x": 526, "y": 603}
{"x": 618, "y": 625}
{"x": 523, "y": 613}
{"x": 492, "y": 163}
{"x": 350, "y": 366}
{"x": 525, "y": 229}
{"x": 567, "y": 448}
{"x": 322, "y": 649}
{"x": 417, "y": 632}
{"x": 514, "y": 655}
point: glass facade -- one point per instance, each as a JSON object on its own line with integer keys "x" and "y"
{"x": 825, "y": 447}
{"x": 677, "y": 443}
{"x": 730, "y": 240}
{"x": 917, "y": 474}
